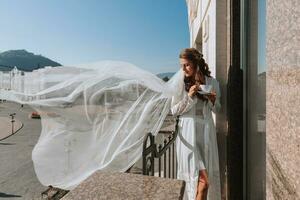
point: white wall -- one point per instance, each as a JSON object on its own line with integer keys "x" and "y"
{"x": 206, "y": 11}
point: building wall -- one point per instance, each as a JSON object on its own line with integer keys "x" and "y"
{"x": 282, "y": 90}
{"x": 283, "y": 99}
{"x": 206, "y": 16}
{"x": 220, "y": 58}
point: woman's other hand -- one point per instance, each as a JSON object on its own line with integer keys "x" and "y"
{"x": 211, "y": 97}
{"x": 193, "y": 90}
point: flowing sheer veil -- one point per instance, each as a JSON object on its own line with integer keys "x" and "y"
{"x": 94, "y": 116}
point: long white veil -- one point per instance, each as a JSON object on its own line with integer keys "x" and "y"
{"x": 94, "y": 117}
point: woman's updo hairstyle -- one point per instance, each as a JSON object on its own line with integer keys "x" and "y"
{"x": 194, "y": 56}
{"x": 201, "y": 67}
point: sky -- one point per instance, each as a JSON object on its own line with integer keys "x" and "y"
{"x": 147, "y": 33}
{"x": 261, "y": 36}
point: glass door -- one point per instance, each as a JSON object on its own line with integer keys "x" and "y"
{"x": 253, "y": 48}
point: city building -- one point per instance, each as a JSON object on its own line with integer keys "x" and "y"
{"x": 252, "y": 48}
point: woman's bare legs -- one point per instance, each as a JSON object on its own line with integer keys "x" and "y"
{"x": 202, "y": 187}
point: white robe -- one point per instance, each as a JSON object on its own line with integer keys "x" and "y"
{"x": 196, "y": 144}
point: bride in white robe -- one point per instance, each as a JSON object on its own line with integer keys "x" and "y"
{"x": 196, "y": 144}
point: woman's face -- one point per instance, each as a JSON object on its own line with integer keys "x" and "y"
{"x": 187, "y": 67}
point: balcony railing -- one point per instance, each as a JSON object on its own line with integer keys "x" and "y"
{"x": 160, "y": 157}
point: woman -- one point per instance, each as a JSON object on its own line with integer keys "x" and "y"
{"x": 197, "y": 152}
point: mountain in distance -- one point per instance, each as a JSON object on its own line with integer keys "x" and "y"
{"x": 27, "y": 61}
{"x": 167, "y": 75}
{"x": 24, "y": 60}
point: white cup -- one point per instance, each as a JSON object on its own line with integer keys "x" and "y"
{"x": 205, "y": 89}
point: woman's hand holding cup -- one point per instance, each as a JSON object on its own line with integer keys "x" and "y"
{"x": 193, "y": 90}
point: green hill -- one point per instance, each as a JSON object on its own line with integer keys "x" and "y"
{"x": 24, "y": 60}
{"x": 167, "y": 74}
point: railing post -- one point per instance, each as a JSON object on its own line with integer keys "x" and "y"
{"x": 150, "y": 150}
{"x": 159, "y": 161}
{"x": 173, "y": 158}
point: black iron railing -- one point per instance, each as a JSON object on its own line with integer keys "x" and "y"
{"x": 160, "y": 156}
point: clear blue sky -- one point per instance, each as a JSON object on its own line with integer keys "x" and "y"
{"x": 261, "y": 36}
{"x": 148, "y": 33}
